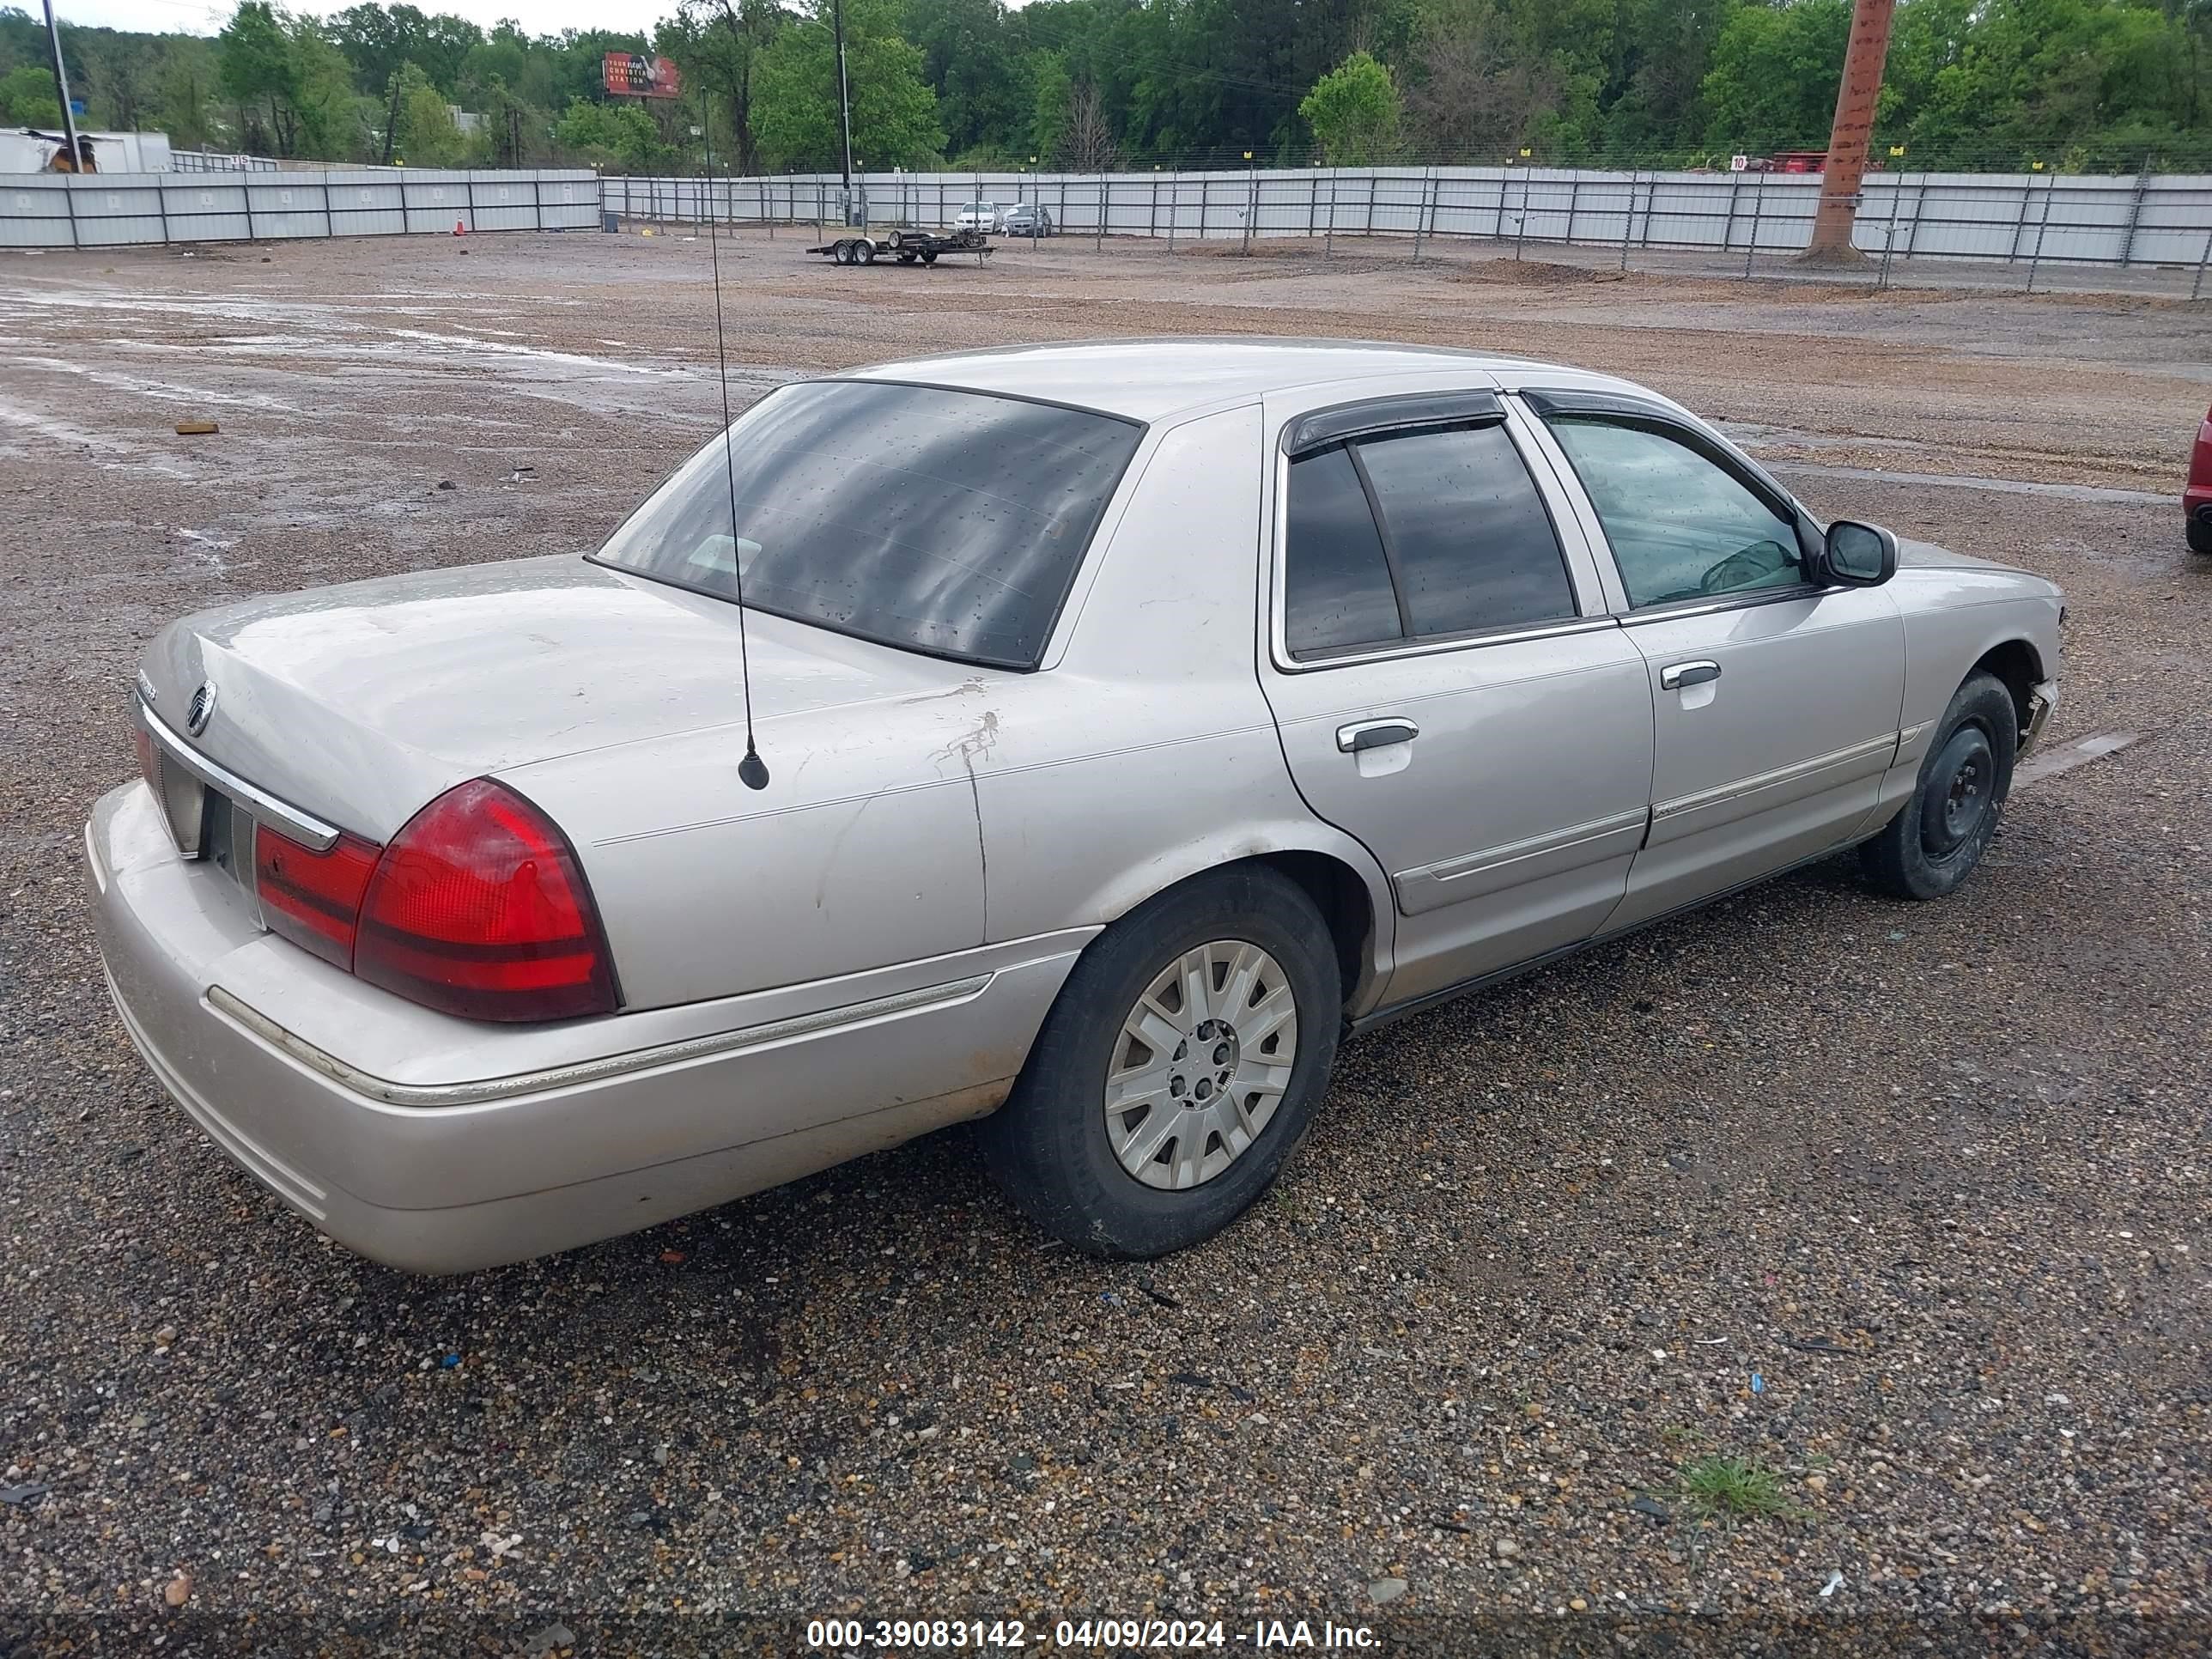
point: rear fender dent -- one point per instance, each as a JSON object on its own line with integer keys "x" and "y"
{"x": 1127, "y": 888}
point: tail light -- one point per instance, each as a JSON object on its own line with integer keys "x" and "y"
{"x": 313, "y": 898}
{"x": 478, "y": 908}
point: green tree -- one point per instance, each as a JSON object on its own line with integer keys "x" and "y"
{"x": 1773, "y": 80}
{"x": 26, "y": 97}
{"x": 332, "y": 123}
{"x": 186, "y": 96}
{"x": 619, "y": 135}
{"x": 893, "y": 108}
{"x": 1354, "y": 110}
{"x": 1050, "y": 101}
{"x": 258, "y": 74}
{"x": 427, "y": 136}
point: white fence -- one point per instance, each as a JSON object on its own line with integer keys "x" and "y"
{"x": 2152, "y": 219}
{"x": 55, "y": 210}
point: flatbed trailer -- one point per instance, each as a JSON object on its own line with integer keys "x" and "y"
{"x": 863, "y": 247}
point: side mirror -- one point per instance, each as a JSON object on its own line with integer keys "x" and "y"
{"x": 1859, "y": 555}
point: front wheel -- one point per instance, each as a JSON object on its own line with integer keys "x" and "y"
{"x": 1177, "y": 1070}
{"x": 1935, "y": 842}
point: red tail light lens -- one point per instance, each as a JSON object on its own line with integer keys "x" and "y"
{"x": 313, "y": 898}
{"x": 478, "y": 908}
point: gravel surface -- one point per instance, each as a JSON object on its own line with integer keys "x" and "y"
{"x": 1935, "y": 1176}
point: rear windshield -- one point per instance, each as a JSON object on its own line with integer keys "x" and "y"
{"x": 948, "y": 522}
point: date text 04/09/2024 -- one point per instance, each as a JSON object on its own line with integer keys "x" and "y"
{"x": 1109, "y": 1635}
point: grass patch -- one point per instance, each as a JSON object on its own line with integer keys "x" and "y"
{"x": 1732, "y": 1489}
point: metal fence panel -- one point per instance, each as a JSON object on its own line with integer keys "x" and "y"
{"x": 117, "y": 209}
{"x": 2027, "y": 220}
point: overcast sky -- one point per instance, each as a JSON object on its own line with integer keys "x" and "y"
{"x": 196, "y": 17}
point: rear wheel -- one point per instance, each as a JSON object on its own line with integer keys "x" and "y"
{"x": 1934, "y": 843}
{"x": 1177, "y": 1070}
{"x": 865, "y": 251}
{"x": 929, "y": 256}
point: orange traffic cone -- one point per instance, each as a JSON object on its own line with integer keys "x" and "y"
{"x": 459, "y": 229}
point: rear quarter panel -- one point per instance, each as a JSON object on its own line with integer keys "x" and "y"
{"x": 1145, "y": 753}
{"x": 862, "y": 853}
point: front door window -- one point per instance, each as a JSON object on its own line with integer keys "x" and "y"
{"x": 1681, "y": 526}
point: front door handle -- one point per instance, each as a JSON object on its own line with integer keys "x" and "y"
{"x": 1676, "y": 676}
{"x": 1373, "y": 734}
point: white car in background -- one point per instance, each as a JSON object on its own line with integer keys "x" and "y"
{"x": 986, "y": 216}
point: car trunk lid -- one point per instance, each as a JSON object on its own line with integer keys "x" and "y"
{"x": 359, "y": 703}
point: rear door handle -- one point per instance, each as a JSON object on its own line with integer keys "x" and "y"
{"x": 1373, "y": 734}
{"x": 1676, "y": 676}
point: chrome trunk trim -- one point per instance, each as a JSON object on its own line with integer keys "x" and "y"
{"x": 309, "y": 831}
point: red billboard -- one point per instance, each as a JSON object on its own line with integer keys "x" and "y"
{"x": 633, "y": 74}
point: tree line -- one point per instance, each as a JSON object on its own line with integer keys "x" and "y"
{"x": 1093, "y": 85}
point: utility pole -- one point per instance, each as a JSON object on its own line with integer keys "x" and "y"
{"x": 1847, "y": 137}
{"x": 61, "y": 90}
{"x": 844, "y": 101}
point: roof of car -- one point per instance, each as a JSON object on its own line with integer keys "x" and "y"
{"x": 1146, "y": 380}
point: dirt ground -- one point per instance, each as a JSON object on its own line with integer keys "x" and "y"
{"x": 1936, "y": 1177}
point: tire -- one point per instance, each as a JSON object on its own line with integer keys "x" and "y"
{"x": 1940, "y": 834}
{"x": 909, "y": 258}
{"x": 929, "y": 256}
{"x": 842, "y": 253}
{"x": 1051, "y": 1147}
{"x": 2200, "y": 536}
{"x": 865, "y": 252}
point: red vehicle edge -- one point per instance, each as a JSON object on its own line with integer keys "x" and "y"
{"x": 2196, "y": 498}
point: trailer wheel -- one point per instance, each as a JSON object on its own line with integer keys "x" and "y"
{"x": 929, "y": 256}
{"x": 865, "y": 250}
{"x": 842, "y": 253}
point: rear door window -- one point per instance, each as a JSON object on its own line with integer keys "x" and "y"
{"x": 1415, "y": 536}
{"x": 1337, "y": 582}
{"x": 1472, "y": 544}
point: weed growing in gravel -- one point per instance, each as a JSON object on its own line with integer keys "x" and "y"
{"x": 1732, "y": 1489}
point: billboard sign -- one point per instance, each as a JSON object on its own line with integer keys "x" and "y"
{"x": 633, "y": 74}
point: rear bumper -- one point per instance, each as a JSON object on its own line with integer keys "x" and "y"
{"x": 635, "y": 1119}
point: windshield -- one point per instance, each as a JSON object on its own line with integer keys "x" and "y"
{"x": 948, "y": 522}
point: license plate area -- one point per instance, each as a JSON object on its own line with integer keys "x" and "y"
{"x": 184, "y": 805}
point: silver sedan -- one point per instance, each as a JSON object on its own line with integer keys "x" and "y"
{"x": 1134, "y": 720}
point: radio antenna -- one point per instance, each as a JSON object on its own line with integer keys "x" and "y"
{"x": 752, "y": 770}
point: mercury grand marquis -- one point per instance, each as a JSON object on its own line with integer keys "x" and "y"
{"x": 1137, "y": 718}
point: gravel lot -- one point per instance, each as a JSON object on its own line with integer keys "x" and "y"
{"x": 1937, "y": 1175}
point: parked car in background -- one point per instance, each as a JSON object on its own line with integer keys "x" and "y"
{"x": 986, "y": 216}
{"x": 1141, "y": 717}
{"x": 2196, "y": 495}
{"x": 1027, "y": 219}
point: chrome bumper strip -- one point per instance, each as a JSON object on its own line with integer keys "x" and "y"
{"x": 588, "y": 1071}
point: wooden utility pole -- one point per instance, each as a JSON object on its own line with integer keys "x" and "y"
{"x": 1849, "y": 137}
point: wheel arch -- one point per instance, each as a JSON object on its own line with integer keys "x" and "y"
{"x": 1346, "y": 886}
{"x": 2018, "y": 665}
